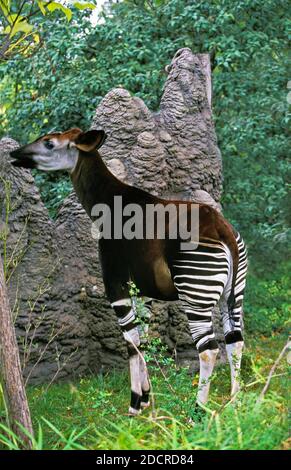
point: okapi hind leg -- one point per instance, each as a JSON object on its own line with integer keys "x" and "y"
{"x": 201, "y": 329}
{"x": 234, "y": 354}
{"x": 200, "y": 277}
{"x": 234, "y": 342}
{"x": 207, "y": 360}
{"x": 232, "y": 319}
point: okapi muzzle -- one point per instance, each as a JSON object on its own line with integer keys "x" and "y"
{"x": 21, "y": 158}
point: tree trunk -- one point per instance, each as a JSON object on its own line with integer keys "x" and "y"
{"x": 10, "y": 370}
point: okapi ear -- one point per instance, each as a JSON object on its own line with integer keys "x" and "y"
{"x": 90, "y": 140}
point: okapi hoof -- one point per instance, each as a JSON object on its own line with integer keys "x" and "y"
{"x": 133, "y": 412}
{"x": 145, "y": 405}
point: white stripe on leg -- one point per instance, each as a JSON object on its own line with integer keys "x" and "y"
{"x": 132, "y": 337}
{"x": 134, "y": 367}
{"x": 207, "y": 360}
{"x": 234, "y": 355}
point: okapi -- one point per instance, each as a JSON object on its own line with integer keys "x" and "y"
{"x": 214, "y": 272}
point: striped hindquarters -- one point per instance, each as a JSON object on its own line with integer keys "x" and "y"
{"x": 200, "y": 277}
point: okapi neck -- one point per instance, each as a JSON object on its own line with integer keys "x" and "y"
{"x": 93, "y": 182}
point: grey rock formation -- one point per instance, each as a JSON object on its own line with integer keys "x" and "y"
{"x": 64, "y": 323}
{"x": 49, "y": 332}
{"x": 172, "y": 152}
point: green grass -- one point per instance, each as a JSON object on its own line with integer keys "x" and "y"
{"x": 91, "y": 413}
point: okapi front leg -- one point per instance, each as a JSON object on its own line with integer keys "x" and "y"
{"x": 126, "y": 317}
{"x": 132, "y": 338}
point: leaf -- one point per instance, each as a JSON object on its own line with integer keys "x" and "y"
{"x": 84, "y": 5}
{"x": 20, "y": 26}
{"x": 41, "y": 6}
{"x": 57, "y": 6}
{"x": 5, "y": 7}
{"x": 10, "y": 17}
{"x": 36, "y": 38}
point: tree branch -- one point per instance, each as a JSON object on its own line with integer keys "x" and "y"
{"x": 272, "y": 371}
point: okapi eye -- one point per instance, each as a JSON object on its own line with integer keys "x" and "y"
{"x": 48, "y": 144}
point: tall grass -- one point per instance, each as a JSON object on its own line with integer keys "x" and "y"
{"x": 91, "y": 413}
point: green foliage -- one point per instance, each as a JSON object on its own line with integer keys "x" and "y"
{"x": 267, "y": 302}
{"x": 54, "y": 189}
{"x": 20, "y": 23}
{"x": 9, "y": 439}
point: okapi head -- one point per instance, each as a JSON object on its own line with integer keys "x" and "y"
{"x": 58, "y": 150}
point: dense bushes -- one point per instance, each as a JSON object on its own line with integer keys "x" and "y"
{"x": 267, "y": 302}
